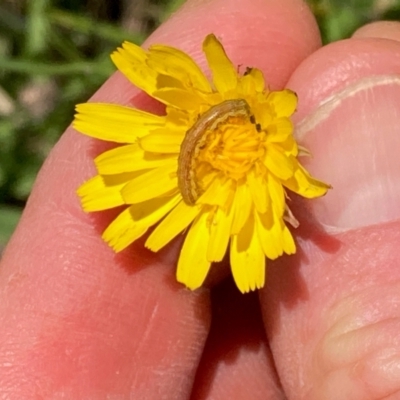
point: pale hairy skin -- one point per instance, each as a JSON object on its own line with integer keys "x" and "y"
{"x": 79, "y": 322}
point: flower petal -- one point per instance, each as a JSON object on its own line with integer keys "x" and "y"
{"x": 289, "y": 246}
{"x": 249, "y": 84}
{"x": 258, "y": 78}
{"x": 115, "y": 123}
{"x": 162, "y": 141}
{"x": 225, "y": 76}
{"x": 284, "y": 102}
{"x": 278, "y": 162}
{"x": 178, "y": 119}
{"x": 269, "y": 234}
{"x": 181, "y": 98}
{"x": 132, "y": 223}
{"x": 277, "y": 194}
{"x": 259, "y": 190}
{"x": 305, "y": 185}
{"x": 242, "y": 205}
{"x": 103, "y": 192}
{"x": 193, "y": 265}
{"x": 174, "y": 223}
{"x": 131, "y": 61}
{"x": 171, "y": 61}
{"x": 220, "y": 229}
{"x": 219, "y": 193}
{"x": 151, "y": 184}
{"x": 279, "y": 130}
{"x": 247, "y": 259}
{"x": 130, "y": 158}
{"x": 289, "y": 146}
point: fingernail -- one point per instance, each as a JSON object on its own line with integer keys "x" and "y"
{"x": 354, "y": 137}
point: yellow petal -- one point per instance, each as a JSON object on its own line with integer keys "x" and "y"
{"x": 132, "y": 223}
{"x": 278, "y": 162}
{"x": 174, "y": 223}
{"x": 130, "y": 158}
{"x": 179, "y": 119}
{"x": 247, "y": 259}
{"x": 289, "y": 146}
{"x": 243, "y": 205}
{"x": 170, "y": 61}
{"x": 258, "y": 79}
{"x": 279, "y": 130}
{"x": 165, "y": 82}
{"x": 151, "y": 184}
{"x": 305, "y": 185}
{"x": 284, "y": 102}
{"x": 162, "y": 141}
{"x": 220, "y": 230}
{"x": 246, "y": 86}
{"x": 259, "y": 190}
{"x": 193, "y": 265}
{"x": 181, "y": 98}
{"x": 219, "y": 193}
{"x": 103, "y": 192}
{"x": 277, "y": 195}
{"x": 224, "y": 73}
{"x": 289, "y": 246}
{"x": 263, "y": 112}
{"x": 251, "y": 83}
{"x": 131, "y": 61}
{"x": 269, "y": 234}
{"x": 115, "y": 123}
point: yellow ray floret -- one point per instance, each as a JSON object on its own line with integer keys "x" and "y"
{"x": 219, "y": 166}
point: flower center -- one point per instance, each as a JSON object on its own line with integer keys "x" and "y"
{"x": 232, "y": 148}
{"x": 225, "y": 139}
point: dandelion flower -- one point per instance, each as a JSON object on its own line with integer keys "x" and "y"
{"x": 218, "y": 166}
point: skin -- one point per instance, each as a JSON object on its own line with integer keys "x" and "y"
{"x": 79, "y": 322}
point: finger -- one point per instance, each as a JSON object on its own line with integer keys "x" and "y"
{"x": 78, "y": 321}
{"x": 332, "y": 310}
{"x": 237, "y": 363}
{"x": 379, "y": 29}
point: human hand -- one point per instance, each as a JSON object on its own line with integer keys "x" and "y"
{"x": 79, "y": 322}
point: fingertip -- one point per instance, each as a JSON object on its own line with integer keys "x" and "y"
{"x": 339, "y": 64}
{"x": 345, "y": 91}
{"x": 348, "y": 92}
{"x": 379, "y": 29}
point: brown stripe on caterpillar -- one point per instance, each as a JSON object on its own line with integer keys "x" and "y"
{"x": 195, "y": 139}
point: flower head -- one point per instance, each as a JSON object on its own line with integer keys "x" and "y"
{"x": 218, "y": 165}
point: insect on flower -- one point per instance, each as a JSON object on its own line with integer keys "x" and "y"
{"x": 219, "y": 165}
{"x": 195, "y": 140}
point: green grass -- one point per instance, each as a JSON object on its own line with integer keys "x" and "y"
{"x": 54, "y": 54}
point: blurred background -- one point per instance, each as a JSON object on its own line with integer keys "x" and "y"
{"x": 55, "y": 53}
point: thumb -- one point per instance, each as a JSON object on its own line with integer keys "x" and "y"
{"x": 332, "y": 311}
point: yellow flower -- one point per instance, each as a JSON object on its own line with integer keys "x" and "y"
{"x": 217, "y": 165}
